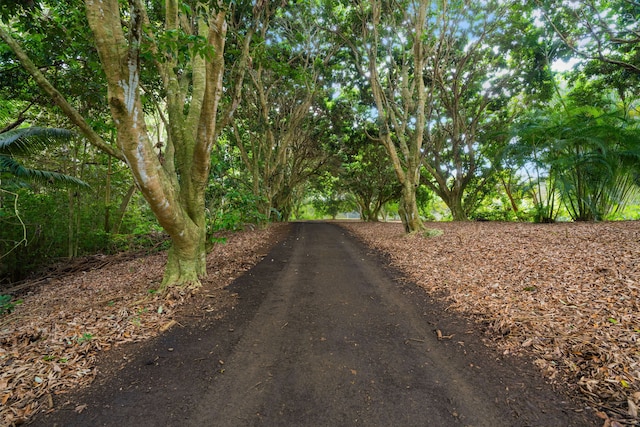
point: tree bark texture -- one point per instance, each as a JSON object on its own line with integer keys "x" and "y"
{"x": 174, "y": 189}
{"x": 403, "y": 142}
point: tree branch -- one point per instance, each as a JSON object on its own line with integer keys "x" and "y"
{"x": 73, "y": 114}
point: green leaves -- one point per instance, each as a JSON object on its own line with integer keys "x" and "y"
{"x": 7, "y": 304}
{"x": 588, "y": 155}
{"x": 180, "y": 46}
{"x": 30, "y": 140}
{"x": 25, "y": 141}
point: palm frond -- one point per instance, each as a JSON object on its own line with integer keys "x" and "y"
{"x": 14, "y": 168}
{"x": 31, "y": 139}
{"x": 10, "y": 165}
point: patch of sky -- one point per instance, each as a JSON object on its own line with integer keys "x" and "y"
{"x": 561, "y": 66}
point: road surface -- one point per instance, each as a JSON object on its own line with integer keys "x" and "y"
{"x": 323, "y": 335}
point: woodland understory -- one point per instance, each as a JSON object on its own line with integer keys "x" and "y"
{"x": 565, "y": 295}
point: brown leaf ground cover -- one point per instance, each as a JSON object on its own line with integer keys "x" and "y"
{"x": 51, "y": 342}
{"x": 567, "y": 295}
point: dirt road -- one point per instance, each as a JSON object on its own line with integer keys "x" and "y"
{"x": 323, "y": 335}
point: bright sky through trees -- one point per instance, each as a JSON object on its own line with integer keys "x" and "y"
{"x": 254, "y": 103}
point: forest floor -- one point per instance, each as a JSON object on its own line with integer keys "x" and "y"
{"x": 565, "y": 296}
{"x": 53, "y": 341}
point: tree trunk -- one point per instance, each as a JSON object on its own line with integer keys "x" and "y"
{"x": 403, "y": 145}
{"x": 107, "y": 199}
{"x": 453, "y": 200}
{"x": 174, "y": 186}
{"x": 507, "y": 190}
{"x": 72, "y": 247}
{"x": 122, "y": 209}
{"x": 457, "y": 211}
{"x": 186, "y": 262}
{"x": 408, "y": 209}
{"x": 173, "y": 189}
{"x": 365, "y": 209}
{"x": 375, "y": 213}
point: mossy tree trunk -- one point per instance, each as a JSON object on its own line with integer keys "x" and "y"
{"x": 172, "y": 174}
{"x": 172, "y": 183}
{"x": 401, "y": 105}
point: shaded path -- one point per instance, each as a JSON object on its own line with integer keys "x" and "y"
{"x": 323, "y": 336}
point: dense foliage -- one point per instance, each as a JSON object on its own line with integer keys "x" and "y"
{"x": 405, "y": 109}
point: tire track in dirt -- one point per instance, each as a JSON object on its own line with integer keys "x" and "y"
{"x": 337, "y": 342}
{"x": 324, "y": 335}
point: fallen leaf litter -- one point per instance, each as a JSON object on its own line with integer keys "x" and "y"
{"x": 50, "y": 343}
{"x": 566, "y": 293}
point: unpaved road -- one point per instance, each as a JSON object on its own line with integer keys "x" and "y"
{"x": 323, "y": 335}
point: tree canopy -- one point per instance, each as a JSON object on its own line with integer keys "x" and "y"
{"x": 234, "y": 112}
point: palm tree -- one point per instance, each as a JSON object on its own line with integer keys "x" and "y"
{"x": 597, "y": 154}
{"x": 26, "y": 141}
{"x": 21, "y": 142}
{"x": 590, "y": 156}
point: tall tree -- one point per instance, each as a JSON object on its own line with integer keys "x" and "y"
{"x": 439, "y": 86}
{"x": 392, "y": 57}
{"x": 363, "y": 168}
{"x": 278, "y": 126}
{"x": 469, "y": 90}
{"x": 368, "y": 176}
{"x": 309, "y": 155}
{"x": 174, "y": 53}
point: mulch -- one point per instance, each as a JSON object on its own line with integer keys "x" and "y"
{"x": 567, "y": 294}
{"x": 51, "y": 343}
